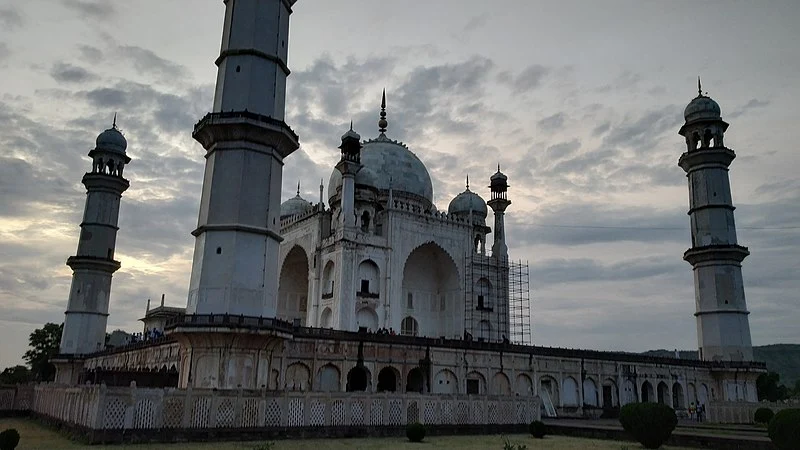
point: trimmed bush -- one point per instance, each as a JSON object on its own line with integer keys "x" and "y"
{"x": 784, "y": 429}
{"x": 650, "y": 423}
{"x": 415, "y": 432}
{"x": 537, "y": 429}
{"x": 9, "y": 439}
{"x": 763, "y": 415}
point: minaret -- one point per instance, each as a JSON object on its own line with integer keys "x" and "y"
{"x": 234, "y": 269}
{"x": 499, "y": 202}
{"x": 349, "y": 165}
{"x": 723, "y": 329}
{"x": 93, "y": 265}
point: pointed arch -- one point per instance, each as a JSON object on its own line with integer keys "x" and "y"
{"x": 524, "y": 385}
{"x": 445, "y": 382}
{"x": 648, "y": 394}
{"x": 590, "y": 395}
{"x": 569, "y": 388}
{"x": 329, "y": 378}
{"x": 500, "y": 384}
{"x": 663, "y": 394}
{"x": 293, "y": 286}
{"x": 431, "y": 284}
{"x": 298, "y": 377}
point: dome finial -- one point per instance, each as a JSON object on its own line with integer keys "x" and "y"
{"x": 467, "y": 181}
{"x": 114, "y": 123}
{"x": 382, "y": 123}
{"x": 298, "y": 188}
{"x": 498, "y": 167}
{"x": 699, "y": 87}
{"x": 351, "y": 124}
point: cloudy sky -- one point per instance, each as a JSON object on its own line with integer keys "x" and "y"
{"x": 579, "y": 101}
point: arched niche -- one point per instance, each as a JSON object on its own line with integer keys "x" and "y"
{"x": 328, "y": 280}
{"x": 663, "y": 394}
{"x": 501, "y": 384}
{"x": 610, "y": 394}
{"x": 648, "y": 393}
{"x": 415, "y": 381}
{"x": 483, "y": 295}
{"x": 570, "y": 392}
{"x": 431, "y": 281}
{"x": 298, "y": 377}
{"x": 677, "y": 396}
{"x": 475, "y": 383}
{"x": 293, "y": 286}
{"x": 369, "y": 283}
{"x": 549, "y": 386}
{"x": 445, "y": 382}
{"x": 367, "y": 318}
{"x": 358, "y": 379}
{"x": 388, "y": 379}
{"x": 590, "y": 394}
{"x": 524, "y": 385}
{"x": 329, "y": 378}
{"x": 326, "y": 318}
{"x": 409, "y": 327}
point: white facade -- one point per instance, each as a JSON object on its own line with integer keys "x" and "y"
{"x": 400, "y": 264}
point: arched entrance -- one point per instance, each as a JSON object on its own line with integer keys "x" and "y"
{"x": 328, "y": 378}
{"x": 431, "y": 278}
{"x": 387, "y": 380}
{"x": 677, "y": 396}
{"x": 293, "y": 286}
{"x": 325, "y": 318}
{"x": 647, "y": 392}
{"x": 590, "y": 394}
{"x": 357, "y": 379}
{"x": 366, "y": 318}
{"x": 415, "y": 381}
{"x": 663, "y": 393}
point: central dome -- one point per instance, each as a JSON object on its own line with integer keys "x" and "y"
{"x": 389, "y": 163}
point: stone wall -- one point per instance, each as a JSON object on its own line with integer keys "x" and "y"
{"x": 15, "y": 398}
{"x": 91, "y": 409}
{"x": 738, "y": 412}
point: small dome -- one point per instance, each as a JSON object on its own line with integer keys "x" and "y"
{"x": 466, "y": 201}
{"x": 111, "y": 140}
{"x": 295, "y": 206}
{"x": 702, "y": 107}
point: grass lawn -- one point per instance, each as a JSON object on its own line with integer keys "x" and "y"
{"x": 35, "y": 436}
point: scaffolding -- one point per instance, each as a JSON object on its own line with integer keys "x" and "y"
{"x": 496, "y": 300}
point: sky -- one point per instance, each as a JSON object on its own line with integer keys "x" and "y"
{"x": 579, "y": 102}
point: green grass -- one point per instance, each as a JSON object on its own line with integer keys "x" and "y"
{"x": 36, "y": 436}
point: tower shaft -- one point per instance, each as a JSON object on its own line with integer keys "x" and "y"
{"x": 723, "y": 329}
{"x": 234, "y": 269}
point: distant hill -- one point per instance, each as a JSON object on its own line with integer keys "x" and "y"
{"x": 783, "y": 359}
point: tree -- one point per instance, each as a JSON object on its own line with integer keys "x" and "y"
{"x": 15, "y": 375}
{"x": 768, "y": 387}
{"x": 44, "y": 343}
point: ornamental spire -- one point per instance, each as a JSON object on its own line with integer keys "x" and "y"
{"x": 382, "y": 123}
{"x": 298, "y": 188}
{"x": 467, "y": 181}
{"x": 114, "y": 123}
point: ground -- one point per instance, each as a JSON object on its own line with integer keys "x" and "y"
{"x": 35, "y": 436}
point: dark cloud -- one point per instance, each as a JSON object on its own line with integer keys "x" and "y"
{"x": 579, "y": 270}
{"x": 148, "y": 62}
{"x": 529, "y": 79}
{"x": 562, "y": 149}
{"x": 99, "y": 9}
{"x": 747, "y": 107}
{"x": 601, "y": 129}
{"x": 10, "y": 19}
{"x": 90, "y": 54}
{"x": 641, "y": 134}
{"x": 552, "y": 123}
{"x": 475, "y": 23}
{"x": 68, "y": 73}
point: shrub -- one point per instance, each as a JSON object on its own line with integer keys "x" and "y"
{"x": 507, "y": 445}
{"x": 784, "y": 429}
{"x": 537, "y": 429}
{"x": 763, "y": 415}
{"x": 415, "y": 432}
{"x": 650, "y": 423}
{"x": 9, "y": 439}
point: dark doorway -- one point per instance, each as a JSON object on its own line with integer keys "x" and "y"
{"x": 415, "y": 381}
{"x": 387, "y": 380}
{"x": 357, "y": 379}
{"x": 473, "y": 387}
{"x": 608, "y": 398}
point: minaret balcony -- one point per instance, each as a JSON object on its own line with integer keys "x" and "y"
{"x": 713, "y": 254}
{"x": 246, "y": 126}
{"x": 95, "y": 181}
{"x": 710, "y": 157}
{"x": 93, "y": 263}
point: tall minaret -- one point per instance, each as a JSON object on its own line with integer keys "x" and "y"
{"x": 349, "y": 165}
{"x": 499, "y": 202}
{"x": 234, "y": 269}
{"x": 93, "y": 265}
{"x": 723, "y": 329}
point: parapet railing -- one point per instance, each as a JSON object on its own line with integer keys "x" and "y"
{"x": 212, "y": 117}
{"x": 240, "y": 321}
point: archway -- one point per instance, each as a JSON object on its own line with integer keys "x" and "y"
{"x": 445, "y": 382}
{"x": 328, "y": 280}
{"x": 524, "y": 385}
{"x": 629, "y": 393}
{"x": 663, "y": 393}
{"x": 610, "y": 394}
{"x": 677, "y": 396}
{"x": 366, "y": 318}
{"x": 357, "y": 379}
{"x": 298, "y": 377}
{"x": 293, "y": 286}
{"x": 483, "y": 295}
{"x": 590, "y": 394}
{"x": 387, "y": 379}
{"x": 369, "y": 279}
{"x": 702, "y": 394}
{"x": 328, "y": 378}
{"x": 409, "y": 327}
{"x": 500, "y": 384}
{"x": 476, "y": 383}
{"x": 549, "y": 386}
{"x": 485, "y": 333}
{"x": 692, "y": 393}
{"x": 432, "y": 279}
{"x": 415, "y": 381}
{"x": 325, "y": 318}
{"x": 647, "y": 392}
{"x": 570, "y": 396}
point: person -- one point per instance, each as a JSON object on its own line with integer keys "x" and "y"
{"x": 692, "y": 410}
{"x": 701, "y": 410}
